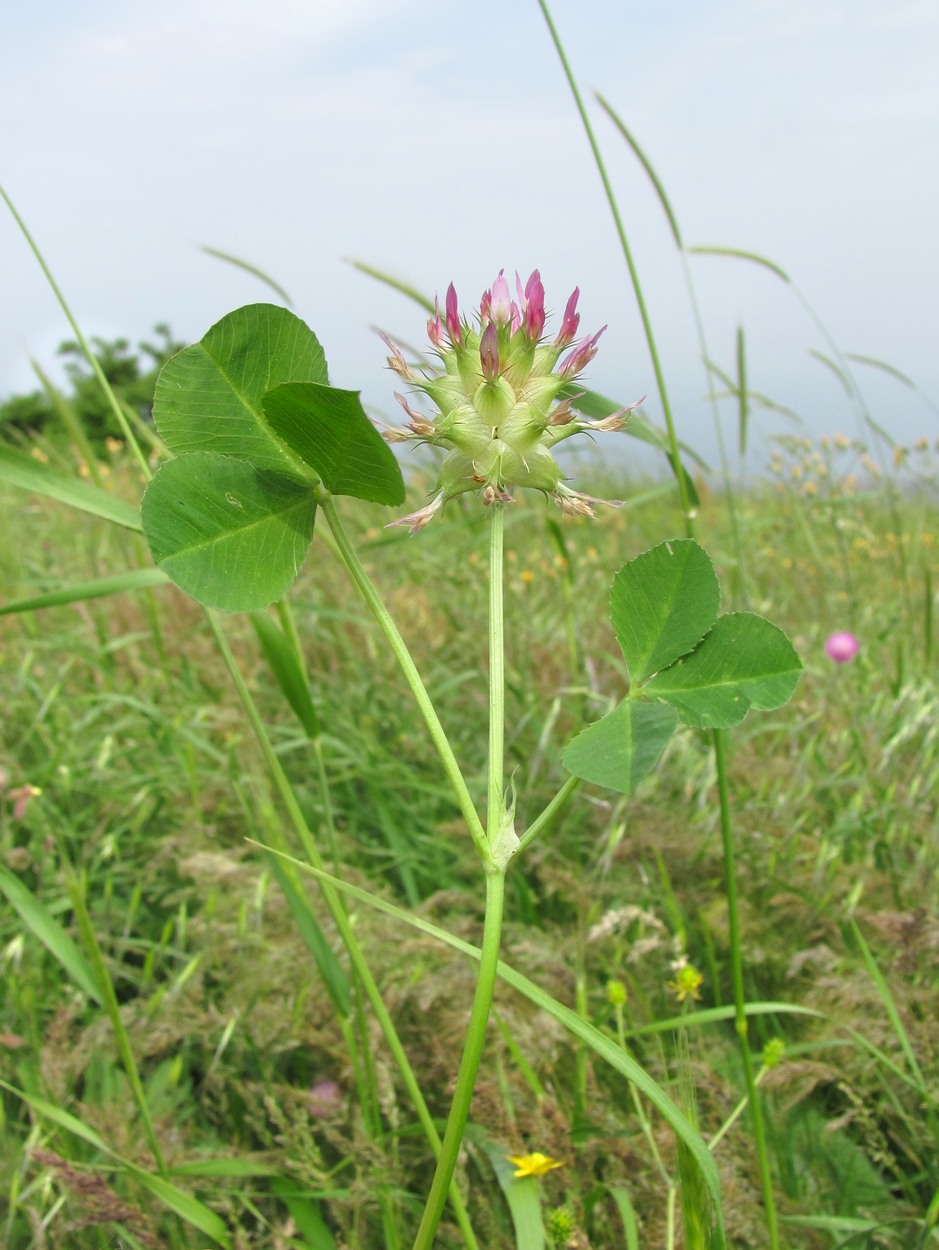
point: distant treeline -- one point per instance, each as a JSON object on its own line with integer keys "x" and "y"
{"x": 131, "y": 371}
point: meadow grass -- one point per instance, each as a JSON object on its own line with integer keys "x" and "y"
{"x": 120, "y": 712}
{"x": 198, "y": 1043}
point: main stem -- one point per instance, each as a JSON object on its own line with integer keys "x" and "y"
{"x": 496, "y": 672}
{"x": 740, "y": 1014}
{"x": 495, "y": 898}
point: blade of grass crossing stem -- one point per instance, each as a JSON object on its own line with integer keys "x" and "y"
{"x": 603, "y": 1046}
{"x": 175, "y": 1199}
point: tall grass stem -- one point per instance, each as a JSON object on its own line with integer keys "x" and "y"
{"x": 674, "y": 451}
{"x": 740, "y": 1013}
{"x": 366, "y": 588}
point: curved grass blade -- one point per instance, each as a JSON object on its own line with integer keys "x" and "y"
{"x": 740, "y": 254}
{"x": 884, "y": 366}
{"x": 248, "y": 268}
{"x": 838, "y": 372}
{"x": 646, "y": 165}
{"x": 287, "y": 672}
{"x": 48, "y": 930}
{"x": 29, "y": 474}
{"x": 396, "y": 284}
{"x": 81, "y": 592}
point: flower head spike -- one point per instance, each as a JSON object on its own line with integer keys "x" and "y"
{"x": 531, "y": 302}
{"x": 570, "y": 322}
{"x": 581, "y": 356}
{"x": 502, "y": 400}
{"x": 501, "y": 307}
{"x": 489, "y": 352}
{"x": 435, "y": 331}
{"x": 453, "y": 317}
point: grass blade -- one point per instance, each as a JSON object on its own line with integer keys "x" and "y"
{"x": 740, "y": 254}
{"x": 53, "y": 937}
{"x": 248, "y": 268}
{"x": 646, "y": 165}
{"x": 396, "y": 284}
{"x": 81, "y": 592}
{"x": 29, "y": 474}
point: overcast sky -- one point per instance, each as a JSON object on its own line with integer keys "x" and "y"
{"x": 440, "y": 142}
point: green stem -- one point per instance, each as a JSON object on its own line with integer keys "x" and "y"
{"x": 538, "y": 825}
{"x": 399, "y": 648}
{"x": 469, "y": 1064}
{"x": 112, "y": 1007}
{"x": 495, "y": 898}
{"x": 496, "y": 673}
{"x": 740, "y": 1014}
{"x": 674, "y": 450}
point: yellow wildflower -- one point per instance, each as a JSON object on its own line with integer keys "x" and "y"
{"x": 535, "y": 1164}
{"x": 687, "y": 982}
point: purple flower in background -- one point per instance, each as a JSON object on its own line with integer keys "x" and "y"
{"x": 841, "y": 647}
{"x": 325, "y": 1099}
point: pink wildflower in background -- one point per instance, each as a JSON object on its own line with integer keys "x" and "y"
{"x": 841, "y": 647}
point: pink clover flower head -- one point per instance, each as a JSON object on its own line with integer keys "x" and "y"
{"x": 841, "y": 647}
{"x": 502, "y": 402}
